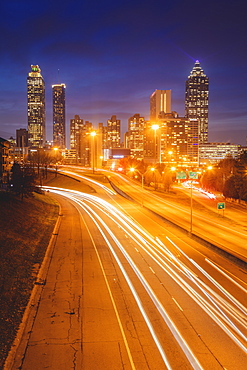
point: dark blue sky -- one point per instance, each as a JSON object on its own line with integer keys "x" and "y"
{"x": 113, "y": 54}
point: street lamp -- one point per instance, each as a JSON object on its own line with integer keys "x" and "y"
{"x": 93, "y": 133}
{"x": 132, "y": 169}
{"x": 155, "y": 128}
{"x": 192, "y": 175}
{"x": 55, "y": 150}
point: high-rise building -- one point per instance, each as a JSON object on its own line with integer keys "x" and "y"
{"x": 58, "y": 93}
{"x": 174, "y": 139}
{"x": 75, "y": 124}
{"x": 36, "y": 107}
{"x": 21, "y": 138}
{"x": 160, "y": 102}
{"x": 80, "y": 139}
{"x": 134, "y": 136}
{"x": 196, "y": 100}
{"x": 113, "y": 133}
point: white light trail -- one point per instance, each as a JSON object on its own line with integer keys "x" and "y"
{"x": 213, "y": 304}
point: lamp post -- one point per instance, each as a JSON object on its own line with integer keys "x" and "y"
{"x": 192, "y": 175}
{"x": 93, "y": 133}
{"x": 155, "y": 128}
{"x": 55, "y": 150}
{"x": 132, "y": 169}
{"x": 142, "y": 176}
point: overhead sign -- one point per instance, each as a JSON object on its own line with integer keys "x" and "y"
{"x": 181, "y": 175}
{"x": 193, "y": 175}
{"x": 221, "y": 205}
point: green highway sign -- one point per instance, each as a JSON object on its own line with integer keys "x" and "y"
{"x": 193, "y": 175}
{"x": 181, "y": 175}
{"x": 221, "y": 205}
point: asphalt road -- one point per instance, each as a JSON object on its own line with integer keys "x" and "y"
{"x": 122, "y": 290}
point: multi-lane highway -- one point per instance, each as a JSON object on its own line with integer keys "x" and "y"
{"x": 176, "y": 308}
{"x": 225, "y": 232}
{"x": 144, "y": 295}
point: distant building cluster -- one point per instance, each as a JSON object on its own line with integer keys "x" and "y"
{"x": 164, "y": 138}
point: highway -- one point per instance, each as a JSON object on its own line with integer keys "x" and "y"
{"x": 225, "y": 232}
{"x": 126, "y": 290}
{"x": 173, "y": 311}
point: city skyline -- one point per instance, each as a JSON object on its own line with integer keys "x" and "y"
{"x": 114, "y": 56}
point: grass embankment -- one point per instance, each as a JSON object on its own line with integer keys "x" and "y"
{"x": 26, "y": 227}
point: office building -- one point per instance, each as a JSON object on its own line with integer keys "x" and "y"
{"x": 21, "y": 138}
{"x": 174, "y": 139}
{"x": 134, "y": 136}
{"x": 75, "y": 124}
{"x": 21, "y": 147}
{"x": 113, "y": 133}
{"x": 80, "y": 140}
{"x": 36, "y": 107}
{"x": 215, "y": 152}
{"x": 196, "y": 100}
{"x": 58, "y": 94}
{"x": 160, "y": 102}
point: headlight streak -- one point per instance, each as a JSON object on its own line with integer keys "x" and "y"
{"x": 224, "y": 304}
{"x": 227, "y": 276}
{"x": 215, "y": 283}
{"x": 206, "y": 307}
{"x": 184, "y": 346}
{"x": 90, "y": 180}
{"x": 221, "y": 314}
{"x": 94, "y": 216}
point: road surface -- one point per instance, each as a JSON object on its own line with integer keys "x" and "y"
{"x": 123, "y": 291}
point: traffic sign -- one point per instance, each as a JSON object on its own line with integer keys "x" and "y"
{"x": 221, "y": 205}
{"x": 193, "y": 175}
{"x": 181, "y": 175}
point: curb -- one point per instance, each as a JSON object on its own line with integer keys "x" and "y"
{"x": 19, "y": 345}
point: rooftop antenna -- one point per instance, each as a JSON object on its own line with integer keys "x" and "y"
{"x": 58, "y": 76}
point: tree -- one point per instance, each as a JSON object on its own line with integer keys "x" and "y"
{"x": 23, "y": 180}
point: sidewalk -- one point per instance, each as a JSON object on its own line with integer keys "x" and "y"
{"x": 50, "y": 333}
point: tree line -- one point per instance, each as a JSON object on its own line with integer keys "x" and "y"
{"x": 229, "y": 177}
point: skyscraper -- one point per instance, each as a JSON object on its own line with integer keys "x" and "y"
{"x": 58, "y": 93}
{"x": 36, "y": 107}
{"x": 196, "y": 100}
{"x": 134, "y": 136}
{"x": 113, "y": 133}
{"x": 160, "y": 102}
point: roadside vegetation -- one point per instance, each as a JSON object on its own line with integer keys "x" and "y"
{"x": 26, "y": 227}
{"x": 229, "y": 176}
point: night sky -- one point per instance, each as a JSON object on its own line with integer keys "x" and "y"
{"x": 113, "y": 54}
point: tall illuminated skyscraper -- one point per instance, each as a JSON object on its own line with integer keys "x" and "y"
{"x": 58, "y": 93}
{"x": 160, "y": 102}
{"x": 36, "y": 107}
{"x": 196, "y": 100}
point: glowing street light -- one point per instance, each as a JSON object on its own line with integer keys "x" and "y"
{"x": 132, "y": 169}
{"x": 155, "y": 128}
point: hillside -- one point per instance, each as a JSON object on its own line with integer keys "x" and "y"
{"x": 25, "y": 230}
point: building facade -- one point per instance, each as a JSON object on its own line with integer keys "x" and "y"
{"x": 174, "y": 140}
{"x": 80, "y": 140}
{"x": 36, "y": 108}
{"x": 5, "y": 160}
{"x": 21, "y": 147}
{"x": 59, "y": 130}
{"x": 196, "y": 100}
{"x": 160, "y": 102}
{"x": 113, "y": 133}
{"x": 215, "y": 152}
{"x": 134, "y": 136}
